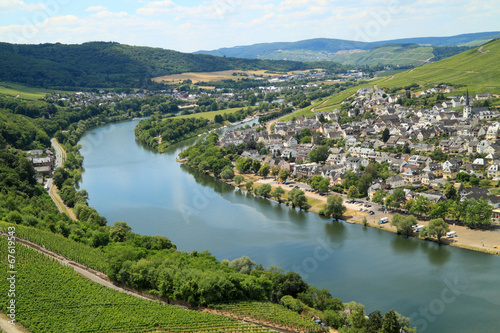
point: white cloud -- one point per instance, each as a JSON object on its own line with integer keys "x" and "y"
{"x": 106, "y": 14}
{"x": 95, "y": 9}
{"x": 7, "y": 6}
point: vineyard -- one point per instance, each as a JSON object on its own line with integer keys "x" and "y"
{"x": 51, "y": 297}
{"x": 79, "y": 252}
{"x": 270, "y": 313}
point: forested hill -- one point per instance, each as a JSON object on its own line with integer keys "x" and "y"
{"x": 111, "y": 65}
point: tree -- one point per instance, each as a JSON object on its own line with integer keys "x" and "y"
{"x": 421, "y": 205}
{"x": 249, "y": 185}
{"x": 298, "y": 199}
{"x": 284, "y": 174}
{"x": 352, "y": 193}
{"x": 476, "y": 212}
{"x": 390, "y": 324}
{"x": 386, "y": 135}
{"x": 319, "y": 155}
{"x": 238, "y": 179}
{"x": 378, "y": 197}
{"x": 243, "y": 265}
{"x": 319, "y": 183}
{"x": 438, "y": 228}
{"x": 404, "y": 224}
{"x": 243, "y": 164}
{"x": 334, "y": 207}
{"x": 374, "y": 323}
{"x": 398, "y": 197}
{"x": 440, "y": 209}
{"x": 59, "y": 177}
{"x": 264, "y": 170}
{"x": 119, "y": 231}
{"x": 275, "y": 170}
{"x": 255, "y": 166}
{"x": 450, "y": 192}
{"x": 263, "y": 190}
{"x": 277, "y": 193}
{"x": 227, "y": 173}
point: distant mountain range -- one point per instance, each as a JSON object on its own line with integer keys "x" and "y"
{"x": 403, "y": 52}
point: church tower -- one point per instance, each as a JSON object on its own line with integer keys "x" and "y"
{"x": 467, "y": 108}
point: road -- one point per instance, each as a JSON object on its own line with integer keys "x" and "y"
{"x": 60, "y": 158}
{"x": 60, "y": 153}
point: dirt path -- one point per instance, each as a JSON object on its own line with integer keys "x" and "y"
{"x": 480, "y": 50}
{"x": 9, "y": 328}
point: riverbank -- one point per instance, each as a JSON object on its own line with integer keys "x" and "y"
{"x": 484, "y": 241}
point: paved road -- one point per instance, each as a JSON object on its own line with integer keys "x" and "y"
{"x": 60, "y": 153}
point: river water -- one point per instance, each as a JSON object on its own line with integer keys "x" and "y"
{"x": 442, "y": 289}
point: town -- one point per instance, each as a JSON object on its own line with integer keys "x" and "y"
{"x": 435, "y": 154}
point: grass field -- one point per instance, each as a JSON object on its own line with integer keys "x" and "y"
{"x": 391, "y": 54}
{"x": 24, "y": 92}
{"x": 477, "y": 70}
{"x": 210, "y": 76}
{"x": 210, "y": 115}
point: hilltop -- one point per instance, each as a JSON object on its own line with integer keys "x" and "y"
{"x": 355, "y": 52}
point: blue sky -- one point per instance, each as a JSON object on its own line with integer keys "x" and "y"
{"x": 210, "y": 24}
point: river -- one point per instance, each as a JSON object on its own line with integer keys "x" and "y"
{"x": 442, "y": 289}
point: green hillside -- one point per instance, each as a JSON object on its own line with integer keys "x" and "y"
{"x": 477, "y": 69}
{"x": 111, "y": 65}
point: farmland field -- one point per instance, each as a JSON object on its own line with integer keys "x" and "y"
{"x": 53, "y": 298}
{"x": 211, "y": 114}
{"x": 24, "y": 92}
{"x": 212, "y": 76}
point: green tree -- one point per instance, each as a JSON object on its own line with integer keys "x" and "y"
{"x": 374, "y": 323}
{"x": 385, "y": 135}
{"x": 421, "y": 205}
{"x": 275, "y": 170}
{"x": 379, "y": 196}
{"x": 277, "y": 193}
{"x": 440, "y": 209}
{"x": 238, "y": 179}
{"x": 438, "y": 228}
{"x": 264, "y": 170}
{"x": 256, "y": 166}
{"x": 477, "y": 212}
{"x": 263, "y": 190}
{"x": 450, "y": 192}
{"x": 398, "y": 197}
{"x": 390, "y": 324}
{"x": 352, "y": 193}
{"x": 320, "y": 154}
{"x": 243, "y": 265}
{"x": 284, "y": 174}
{"x": 119, "y": 231}
{"x": 249, "y": 186}
{"x": 227, "y": 173}
{"x": 298, "y": 199}
{"x": 334, "y": 207}
{"x": 404, "y": 224}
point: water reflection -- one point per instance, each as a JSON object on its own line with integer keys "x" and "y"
{"x": 403, "y": 244}
{"x": 438, "y": 254}
{"x": 335, "y": 230}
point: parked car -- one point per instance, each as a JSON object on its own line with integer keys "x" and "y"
{"x": 384, "y": 220}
